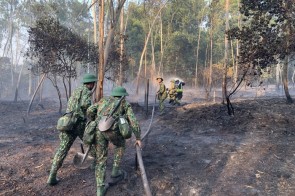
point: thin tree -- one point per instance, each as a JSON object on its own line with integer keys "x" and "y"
{"x": 105, "y": 46}
{"x": 145, "y": 46}
{"x": 225, "y": 66}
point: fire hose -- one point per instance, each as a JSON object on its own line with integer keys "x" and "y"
{"x": 139, "y": 160}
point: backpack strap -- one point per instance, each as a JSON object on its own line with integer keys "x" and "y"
{"x": 116, "y": 107}
{"x": 79, "y": 101}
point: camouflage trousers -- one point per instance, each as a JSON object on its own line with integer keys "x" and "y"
{"x": 102, "y": 140}
{"x": 66, "y": 141}
{"x": 161, "y": 105}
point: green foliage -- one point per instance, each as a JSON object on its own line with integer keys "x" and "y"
{"x": 181, "y": 20}
{"x": 266, "y": 34}
{"x": 179, "y": 47}
{"x": 135, "y": 37}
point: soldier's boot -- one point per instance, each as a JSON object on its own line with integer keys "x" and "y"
{"x": 116, "y": 172}
{"x": 101, "y": 191}
{"x": 93, "y": 165}
{"x": 117, "y": 175}
{"x": 52, "y": 179}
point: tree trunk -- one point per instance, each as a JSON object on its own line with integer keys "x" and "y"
{"x": 233, "y": 60}
{"x": 278, "y": 74}
{"x": 18, "y": 82}
{"x": 54, "y": 83}
{"x": 30, "y": 83}
{"x": 153, "y": 68}
{"x": 104, "y": 49}
{"x": 70, "y": 87}
{"x": 285, "y": 80}
{"x": 211, "y": 57}
{"x": 145, "y": 64}
{"x": 41, "y": 93}
{"x": 66, "y": 89}
{"x": 161, "y": 52}
{"x": 238, "y": 49}
{"x": 33, "y": 97}
{"x": 197, "y": 58}
{"x": 145, "y": 46}
{"x": 198, "y": 48}
{"x": 120, "y": 82}
{"x": 99, "y": 90}
{"x": 59, "y": 98}
{"x": 224, "y": 78}
{"x": 205, "y": 74}
{"x": 94, "y": 20}
{"x": 287, "y": 4}
{"x": 293, "y": 77}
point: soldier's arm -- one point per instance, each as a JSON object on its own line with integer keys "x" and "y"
{"x": 92, "y": 111}
{"x": 133, "y": 122}
{"x": 85, "y": 99}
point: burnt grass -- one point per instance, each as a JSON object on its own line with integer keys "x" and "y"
{"x": 194, "y": 149}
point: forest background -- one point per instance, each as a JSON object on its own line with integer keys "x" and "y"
{"x": 210, "y": 44}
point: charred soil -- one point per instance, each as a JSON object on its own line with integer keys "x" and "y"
{"x": 194, "y": 149}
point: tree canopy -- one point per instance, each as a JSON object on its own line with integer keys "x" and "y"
{"x": 56, "y": 49}
{"x": 266, "y": 34}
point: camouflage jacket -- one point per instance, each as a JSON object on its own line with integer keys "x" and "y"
{"x": 96, "y": 111}
{"x": 162, "y": 94}
{"x": 83, "y": 95}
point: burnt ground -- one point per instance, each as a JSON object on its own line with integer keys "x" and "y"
{"x": 194, "y": 149}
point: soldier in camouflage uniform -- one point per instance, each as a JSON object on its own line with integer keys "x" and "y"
{"x": 173, "y": 93}
{"x": 83, "y": 95}
{"x": 102, "y": 138}
{"x": 161, "y": 94}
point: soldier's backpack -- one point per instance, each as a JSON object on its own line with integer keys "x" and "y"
{"x": 109, "y": 120}
{"x": 89, "y": 132}
{"x": 68, "y": 120}
{"x": 165, "y": 94}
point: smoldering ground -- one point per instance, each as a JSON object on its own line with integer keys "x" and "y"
{"x": 194, "y": 149}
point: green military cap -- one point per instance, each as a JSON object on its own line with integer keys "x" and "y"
{"x": 88, "y": 78}
{"x": 159, "y": 77}
{"x": 119, "y": 91}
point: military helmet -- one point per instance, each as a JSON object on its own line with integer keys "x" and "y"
{"x": 119, "y": 91}
{"x": 159, "y": 77}
{"x": 88, "y": 78}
